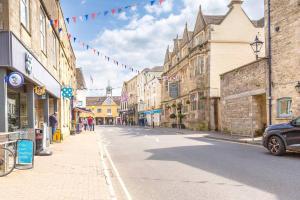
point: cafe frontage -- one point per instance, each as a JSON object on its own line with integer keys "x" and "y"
{"x": 28, "y": 92}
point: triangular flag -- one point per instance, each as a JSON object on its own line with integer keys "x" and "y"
{"x": 56, "y": 23}
{"x": 86, "y": 17}
{"x": 60, "y": 30}
{"x": 152, "y": 2}
{"x": 161, "y": 1}
{"x": 69, "y": 36}
{"x": 98, "y": 53}
{"x": 51, "y": 21}
{"x": 68, "y": 20}
{"x": 74, "y": 39}
{"x": 119, "y": 10}
{"x": 74, "y": 19}
{"x": 113, "y": 11}
{"x": 94, "y": 15}
{"x": 81, "y": 19}
{"x": 87, "y": 46}
{"x": 105, "y": 13}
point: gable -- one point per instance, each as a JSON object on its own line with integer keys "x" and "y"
{"x": 108, "y": 101}
{"x": 200, "y": 22}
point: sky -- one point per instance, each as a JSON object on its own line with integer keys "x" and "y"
{"x": 138, "y": 37}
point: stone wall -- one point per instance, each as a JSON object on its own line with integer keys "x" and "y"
{"x": 285, "y": 32}
{"x": 243, "y": 100}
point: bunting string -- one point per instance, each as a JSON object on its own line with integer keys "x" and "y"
{"x": 112, "y": 12}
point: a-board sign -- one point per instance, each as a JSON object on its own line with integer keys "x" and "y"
{"x": 25, "y": 152}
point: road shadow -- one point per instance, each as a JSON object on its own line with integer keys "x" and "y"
{"x": 246, "y": 164}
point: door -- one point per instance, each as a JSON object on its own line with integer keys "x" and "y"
{"x": 293, "y": 135}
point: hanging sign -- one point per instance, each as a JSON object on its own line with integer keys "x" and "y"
{"x": 25, "y": 152}
{"x": 40, "y": 90}
{"x": 67, "y": 92}
{"x": 28, "y": 63}
{"x": 15, "y": 79}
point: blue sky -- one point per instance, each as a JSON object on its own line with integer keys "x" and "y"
{"x": 137, "y": 37}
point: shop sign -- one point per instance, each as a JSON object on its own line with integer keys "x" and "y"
{"x": 25, "y": 152}
{"x": 15, "y": 79}
{"x": 67, "y": 92}
{"x": 174, "y": 90}
{"x": 28, "y": 63}
{"x": 40, "y": 90}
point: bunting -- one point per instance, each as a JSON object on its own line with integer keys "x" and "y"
{"x": 113, "y": 11}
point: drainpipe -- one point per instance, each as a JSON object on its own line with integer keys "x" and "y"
{"x": 269, "y": 63}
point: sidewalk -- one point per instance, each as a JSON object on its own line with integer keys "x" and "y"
{"x": 73, "y": 172}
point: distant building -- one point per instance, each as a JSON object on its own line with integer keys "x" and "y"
{"x": 81, "y": 91}
{"x": 105, "y": 108}
{"x": 191, "y": 78}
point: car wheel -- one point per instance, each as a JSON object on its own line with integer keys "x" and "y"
{"x": 276, "y": 146}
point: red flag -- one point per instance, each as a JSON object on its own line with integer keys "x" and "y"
{"x": 94, "y": 15}
{"x": 56, "y": 23}
{"x": 113, "y": 11}
{"x": 94, "y": 51}
{"x": 74, "y": 19}
{"x": 69, "y": 36}
{"x": 161, "y": 1}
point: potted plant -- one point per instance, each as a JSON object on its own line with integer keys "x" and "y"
{"x": 181, "y": 116}
{"x": 173, "y": 105}
{"x": 173, "y": 116}
{"x": 188, "y": 102}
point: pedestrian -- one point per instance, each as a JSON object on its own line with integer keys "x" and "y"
{"x": 53, "y": 124}
{"x": 85, "y": 123}
{"x": 91, "y": 123}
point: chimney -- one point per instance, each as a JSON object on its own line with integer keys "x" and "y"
{"x": 235, "y": 2}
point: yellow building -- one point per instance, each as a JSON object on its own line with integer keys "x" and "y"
{"x": 105, "y": 108}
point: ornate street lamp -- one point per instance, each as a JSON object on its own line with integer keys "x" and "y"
{"x": 297, "y": 87}
{"x": 256, "y": 46}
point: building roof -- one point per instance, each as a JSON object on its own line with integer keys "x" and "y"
{"x": 98, "y": 101}
{"x": 214, "y": 19}
{"x": 259, "y": 23}
{"x": 157, "y": 69}
{"x": 81, "y": 85}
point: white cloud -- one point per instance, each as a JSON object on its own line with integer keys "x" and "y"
{"x": 122, "y": 16}
{"x": 143, "y": 41}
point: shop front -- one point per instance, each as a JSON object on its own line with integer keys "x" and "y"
{"x": 28, "y": 92}
{"x": 153, "y": 117}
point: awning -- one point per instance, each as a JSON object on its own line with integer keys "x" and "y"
{"x": 82, "y": 110}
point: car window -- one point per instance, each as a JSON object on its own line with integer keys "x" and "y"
{"x": 297, "y": 121}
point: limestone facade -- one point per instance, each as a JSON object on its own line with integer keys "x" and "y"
{"x": 285, "y": 48}
{"x": 216, "y": 45}
{"x": 243, "y": 99}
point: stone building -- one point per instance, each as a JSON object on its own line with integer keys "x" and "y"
{"x": 191, "y": 82}
{"x": 32, "y": 48}
{"x": 124, "y": 104}
{"x": 285, "y": 59}
{"x": 132, "y": 102}
{"x": 243, "y": 99}
{"x": 152, "y": 98}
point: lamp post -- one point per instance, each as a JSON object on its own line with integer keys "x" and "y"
{"x": 256, "y": 46}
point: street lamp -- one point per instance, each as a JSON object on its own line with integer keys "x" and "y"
{"x": 256, "y": 46}
{"x": 297, "y": 87}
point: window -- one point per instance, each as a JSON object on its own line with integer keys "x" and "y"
{"x": 184, "y": 52}
{"x": 54, "y": 50}
{"x": 99, "y": 110}
{"x": 24, "y": 13}
{"x": 198, "y": 65}
{"x": 193, "y": 98}
{"x": 43, "y": 30}
{"x": 284, "y": 107}
{"x": 166, "y": 85}
{"x": 199, "y": 39}
{"x": 201, "y": 101}
{"x": 109, "y": 111}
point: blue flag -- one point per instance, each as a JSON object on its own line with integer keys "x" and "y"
{"x": 152, "y": 2}
{"x": 86, "y": 17}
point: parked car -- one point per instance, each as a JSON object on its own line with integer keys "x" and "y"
{"x": 281, "y": 137}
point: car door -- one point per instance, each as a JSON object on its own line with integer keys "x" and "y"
{"x": 293, "y": 135}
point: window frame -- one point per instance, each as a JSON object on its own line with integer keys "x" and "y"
{"x": 289, "y": 102}
{"x": 43, "y": 31}
{"x": 26, "y": 5}
{"x": 54, "y": 50}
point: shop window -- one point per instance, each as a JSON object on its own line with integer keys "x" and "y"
{"x": 24, "y": 13}
{"x": 99, "y": 110}
{"x": 43, "y": 30}
{"x": 284, "y": 107}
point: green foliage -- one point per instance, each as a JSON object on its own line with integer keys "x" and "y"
{"x": 172, "y": 116}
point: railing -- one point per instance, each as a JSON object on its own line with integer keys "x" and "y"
{"x": 7, "y": 138}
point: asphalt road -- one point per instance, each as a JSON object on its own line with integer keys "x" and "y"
{"x": 157, "y": 164}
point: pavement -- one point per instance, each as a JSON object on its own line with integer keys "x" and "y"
{"x": 157, "y": 164}
{"x": 74, "y": 172}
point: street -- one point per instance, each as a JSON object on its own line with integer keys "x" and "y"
{"x": 158, "y": 164}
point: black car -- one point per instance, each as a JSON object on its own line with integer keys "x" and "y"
{"x": 281, "y": 137}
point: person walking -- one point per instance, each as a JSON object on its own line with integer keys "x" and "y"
{"x": 53, "y": 124}
{"x": 91, "y": 123}
{"x": 85, "y": 123}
